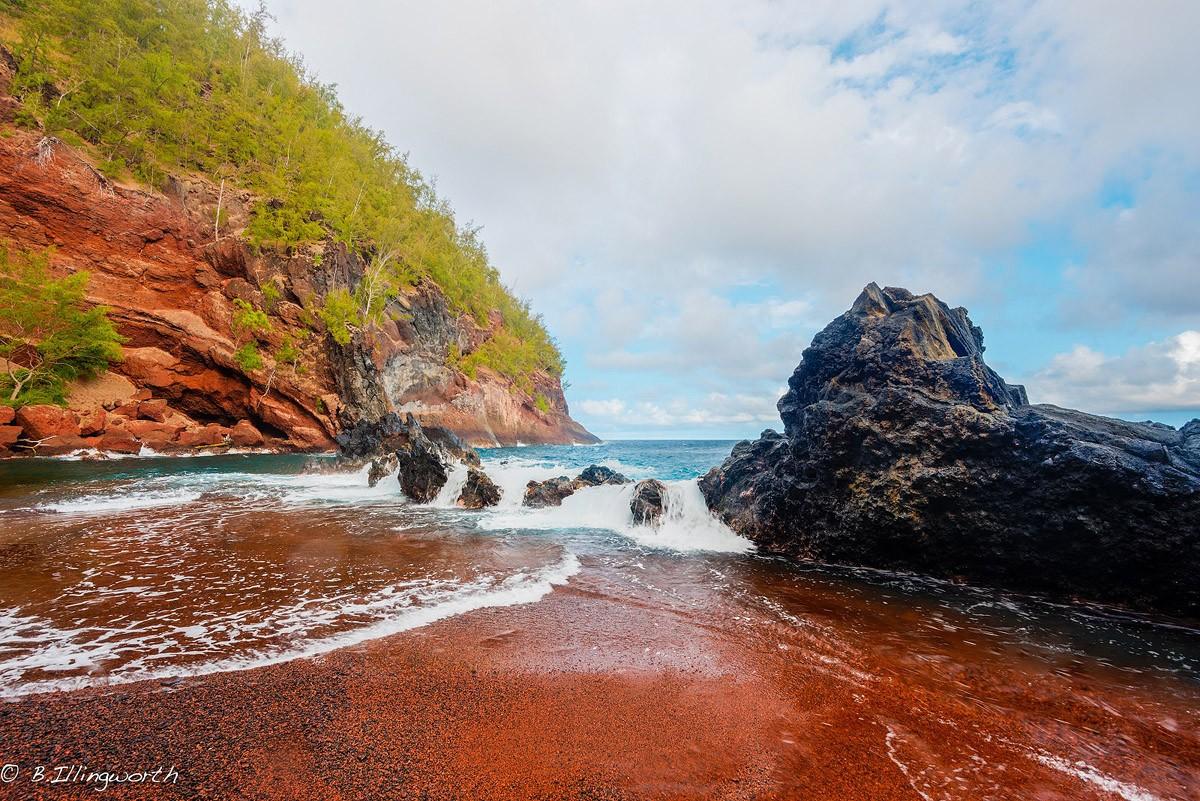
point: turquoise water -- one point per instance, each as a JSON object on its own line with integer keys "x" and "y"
{"x": 663, "y": 459}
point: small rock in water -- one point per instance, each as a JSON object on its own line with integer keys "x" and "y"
{"x": 478, "y": 491}
{"x": 539, "y": 494}
{"x": 595, "y": 475}
{"x": 647, "y": 503}
{"x": 381, "y": 468}
{"x": 419, "y": 455}
{"x": 552, "y": 491}
{"x": 422, "y": 474}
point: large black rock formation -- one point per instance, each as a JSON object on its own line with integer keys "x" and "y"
{"x": 421, "y": 456}
{"x": 903, "y": 449}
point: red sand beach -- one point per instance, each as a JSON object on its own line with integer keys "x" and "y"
{"x": 611, "y": 688}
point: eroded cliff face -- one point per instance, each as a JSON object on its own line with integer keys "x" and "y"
{"x": 407, "y": 371}
{"x": 171, "y": 278}
{"x": 903, "y": 449}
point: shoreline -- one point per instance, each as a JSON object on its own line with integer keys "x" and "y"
{"x": 603, "y": 689}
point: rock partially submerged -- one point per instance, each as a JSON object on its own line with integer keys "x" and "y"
{"x": 553, "y": 491}
{"x": 422, "y": 473}
{"x": 381, "y": 468}
{"x": 595, "y": 475}
{"x": 647, "y": 502}
{"x": 903, "y": 449}
{"x": 420, "y": 456}
{"x": 479, "y": 491}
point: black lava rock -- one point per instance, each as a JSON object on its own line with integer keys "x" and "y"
{"x": 647, "y": 502}
{"x": 381, "y": 468}
{"x": 550, "y": 492}
{"x": 391, "y": 433}
{"x": 596, "y": 475}
{"x": 478, "y": 491}
{"x": 903, "y": 449}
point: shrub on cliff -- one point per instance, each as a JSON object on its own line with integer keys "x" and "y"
{"x": 48, "y": 333}
{"x": 248, "y": 324}
{"x": 152, "y": 88}
{"x": 340, "y": 314}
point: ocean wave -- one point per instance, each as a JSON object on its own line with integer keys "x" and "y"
{"x": 111, "y": 504}
{"x": 45, "y": 648}
{"x": 686, "y": 525}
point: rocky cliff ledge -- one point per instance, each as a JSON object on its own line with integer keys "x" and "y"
{"x": 902, "y": 449}
{"x": 171, "y": 279}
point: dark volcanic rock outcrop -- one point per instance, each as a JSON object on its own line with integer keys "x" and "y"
{"x": 552, "y": 491}
{"x": 391, "y": 433}
{"x": 903, "y": 449}
{"x": 647, "y": 502}
{"x": 422, "y": 473}
{"x": 595, "y": 475}
{"x": 381, "y": 468}
{"x": 478, "y": 491}
{"x": 421, "y": 455}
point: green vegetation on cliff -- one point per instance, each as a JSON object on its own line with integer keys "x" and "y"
{"x": 155, "y": 87}
{"x": 48, "y": 334}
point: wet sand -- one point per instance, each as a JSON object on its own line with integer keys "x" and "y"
{"x": 624, "y": 684}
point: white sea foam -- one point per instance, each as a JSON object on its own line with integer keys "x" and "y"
{"x": 512, "y": 474}
{"x": 92, "y": 453}
{"x": 329, "y": 486}
{"x": 125, "y": 502}
{"x": 686, "y": 525}
{"x": 41, "y": 646}
{"x": 317, "y": 487}
{"x": 447, "y": 497}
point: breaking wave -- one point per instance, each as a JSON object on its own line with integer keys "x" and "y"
{"x": 29, "y": 643}
{"x": 686, "y": 525}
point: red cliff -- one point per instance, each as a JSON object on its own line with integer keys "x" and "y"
{"x": 171, "y": 281}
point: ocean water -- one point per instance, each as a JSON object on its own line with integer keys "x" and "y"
{"x": 129, "y": 569}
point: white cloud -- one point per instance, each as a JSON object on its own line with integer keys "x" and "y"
{"x": 1024, "y": 116}
{"x": 1144, "y": 259}
{"x": 698, "y": 140}
{"x": 717, "y": 409}
{"x": 1160, "y": 376}
{"x": 699, "y": 332}
{"x": 604, "y": 408}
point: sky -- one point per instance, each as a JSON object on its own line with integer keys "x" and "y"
{"x": 688, "y": 190}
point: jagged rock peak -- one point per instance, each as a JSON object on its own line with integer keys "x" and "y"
{"x": 891, "y": 337}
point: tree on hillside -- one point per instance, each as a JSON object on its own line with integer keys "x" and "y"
{"x": 48, "y": 333}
